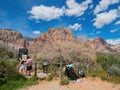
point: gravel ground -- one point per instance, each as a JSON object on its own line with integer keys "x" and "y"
{"x": 82, "y": 84}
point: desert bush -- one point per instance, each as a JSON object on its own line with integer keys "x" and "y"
{"x": 42, "y": 78}
{"x": 109, "y": 63}
{"x": 10, "y": 54}
{"x": 4, "y": 53}
{"x": 114, "y": 70}
{"x": 98, "y": 73}
{"x": 50, "y": 77}
{"x": 10, "y": 79}
{"x": 17, "y": 84}
{"x": 64, "y": 81}
{"x": 8, "y": 71}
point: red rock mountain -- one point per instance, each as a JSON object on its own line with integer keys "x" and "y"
{"x": 11, "y": 39}
{"x": 100, "y": 45}
{"x": 48, "y": 44}
{"x": 54, "y": 35}
{"x": 57, "y": 34}
{"x": 56, "y": 42}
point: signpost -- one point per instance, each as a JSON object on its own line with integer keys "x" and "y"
{"x": 23, "y": 53}
{"x": 45, "y": 66}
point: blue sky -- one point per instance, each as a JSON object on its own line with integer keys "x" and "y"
{"x": 90, "y": 18}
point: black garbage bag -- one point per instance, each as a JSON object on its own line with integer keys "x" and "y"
{"x": 70, "y": 73}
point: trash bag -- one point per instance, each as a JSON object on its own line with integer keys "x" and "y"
{"x": 81, "y": 73}
{"x": 70, "y": 73}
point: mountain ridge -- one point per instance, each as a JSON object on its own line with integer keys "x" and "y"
{"x": 55, "y": 38}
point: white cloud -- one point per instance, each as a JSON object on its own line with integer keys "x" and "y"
{"x": 118, "y": 22}
{"x": 46, "y": 13}
{"x": 119, "y": 11}
{"x": 113, "y": 31}
{"x": 81, "y": 19}
{"x": 98, "y": 32}
{"x": 76, "y": 26}
{"x": 91, "y": 6}
{"x": 37, "y": 32}
{"x": 105, "y": 18}
{"x": 104, "y": 4}
{"x": 76, "y": 9}
{"x": 114, "y": 41}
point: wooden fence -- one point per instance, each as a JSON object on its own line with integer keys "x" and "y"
{"x": 52, "y": 68}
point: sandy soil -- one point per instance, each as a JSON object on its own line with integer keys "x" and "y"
{"x": 83, "y": 84}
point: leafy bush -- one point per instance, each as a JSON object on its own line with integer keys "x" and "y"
{"x": 8, "y": 72}
{"x": 98, "y": 73}
{"x": 109, "y": 63}
{"x": 10, "y": 79}
{"x": 4, "y": 53}
{"x": 42, "y": 78}
{"x": 114, "y": 70}
{"x": 16, "y": 84}
{"x": 10, "y": 54}
{"x": 50, "y": 77}
{"x": 64, "y": 81}
{"x": 107, "y": 67}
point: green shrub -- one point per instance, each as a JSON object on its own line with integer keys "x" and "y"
{"x": 10, "y": 79}
{"x": 64, "y": 81}
{"x": 114, "y": 70}
{"x": 110, "y": 63}
{"x": 8, "y": 72}
{"x": 98, "y": 73}
{"x": 50, "y": 77}
{"x": 112, "y": 79}
{"x": 16, "y": 84}
{"x": 4, "y": 53}
{"x": 31, "y": 81}
{"x": 10, "y": 54}
{"x": 42, "y": 78}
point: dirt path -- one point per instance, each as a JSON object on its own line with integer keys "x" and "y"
{"x": 83, "y": 84}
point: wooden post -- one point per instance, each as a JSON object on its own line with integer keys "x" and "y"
{"x": 60, "y": 70}
{"x": 51, "y": 67}
{"x": 54, "y": 69}
{"x": 35, "y": 70}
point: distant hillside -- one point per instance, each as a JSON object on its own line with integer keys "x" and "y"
{"x": 11, "y": 39}
{"x": 100, "y": 45}
{"x": 48, "y": 44}
{"x": 56, "y": 42}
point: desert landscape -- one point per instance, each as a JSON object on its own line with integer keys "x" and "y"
{"x": 82, "y": 84}
{"x": 60, "y": 45}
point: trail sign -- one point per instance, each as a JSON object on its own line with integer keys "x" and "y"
{"x": 23, "y": 53}
{"x": 45, "y": 66}
{"x": 45, "y": 63}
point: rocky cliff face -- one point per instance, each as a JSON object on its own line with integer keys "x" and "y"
{"x": 98, "y": 41}
{"x": 100, "y": 45}
{"x": 11, "y": 39}
{"x": 56, "y": 42}
{"x": 48, "y": 44}
{"x": 54, "y": 35}
{"x": 57, "y": 34}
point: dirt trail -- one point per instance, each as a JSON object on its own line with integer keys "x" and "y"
{"x": 83, "y": 84}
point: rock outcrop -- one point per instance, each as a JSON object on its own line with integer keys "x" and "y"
{"x": 100, "y": 45}
{"x": 48, "y": 44}
{"x": 57, "y": 34}
{"x": 11, "y": 39}
{"x": 56, "y": 42}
